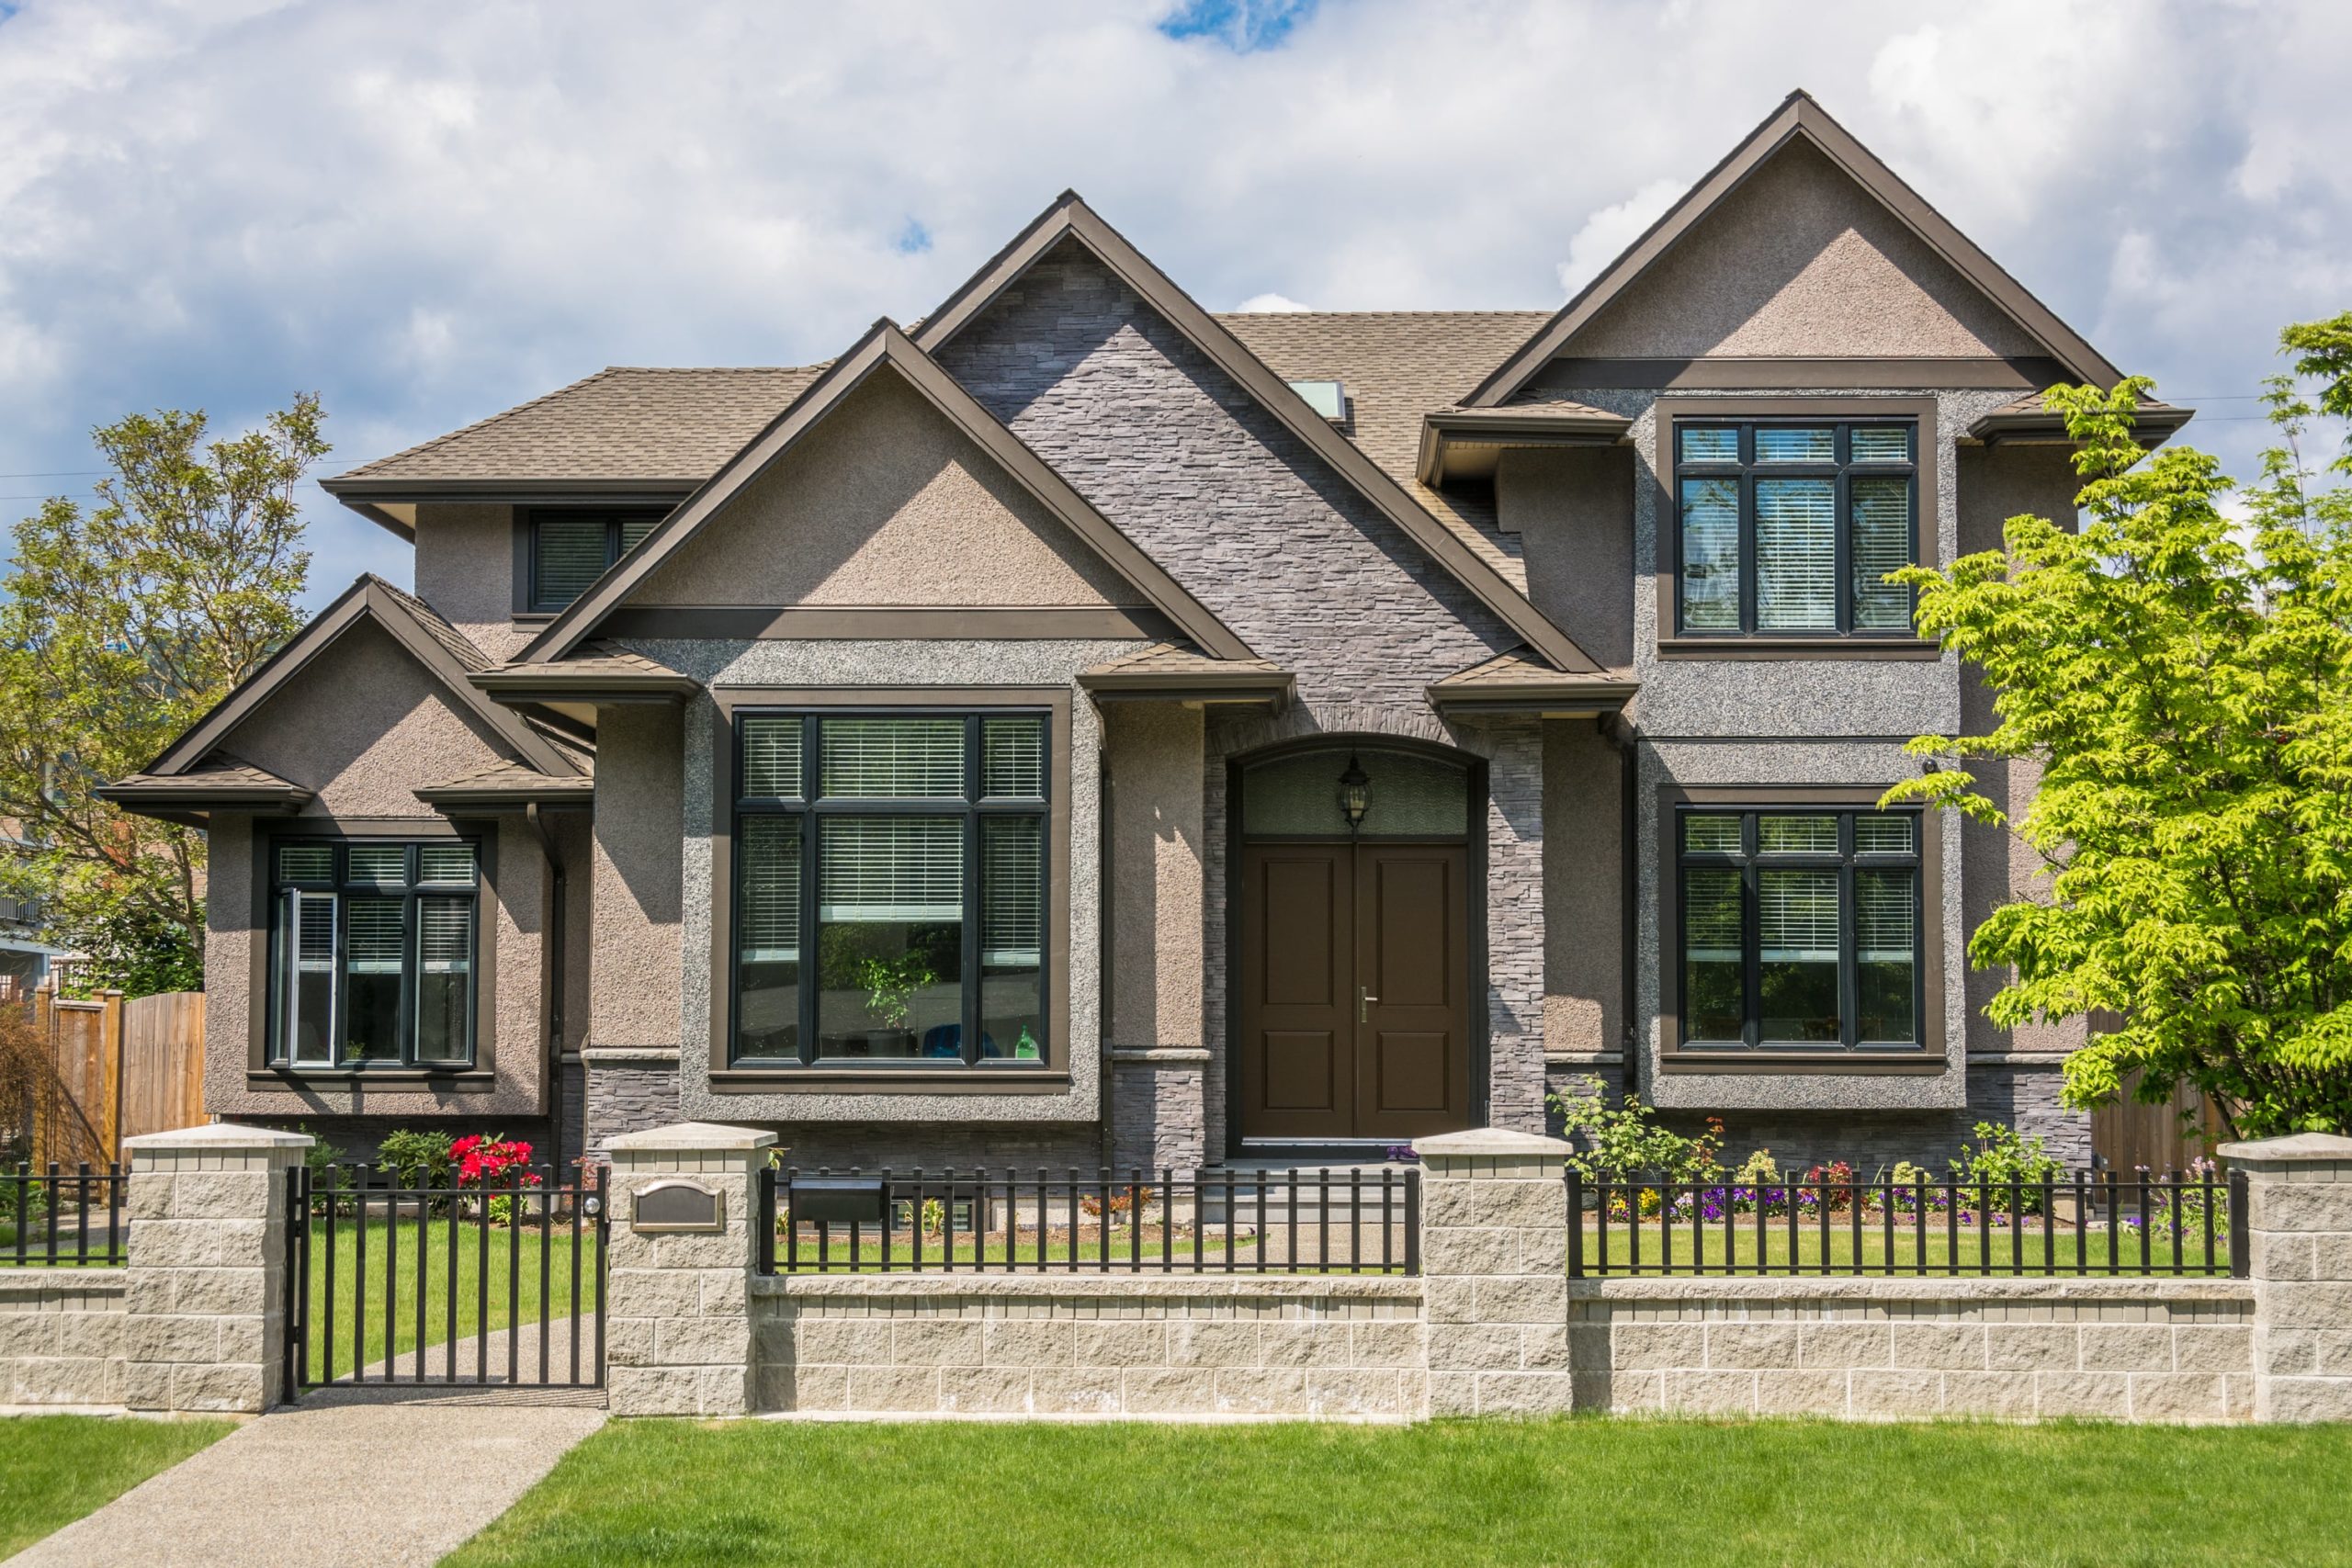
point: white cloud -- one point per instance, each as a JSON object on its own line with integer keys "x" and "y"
{"x": 1267, "y": 304}
{"x": 431, "y": 211}
{"x": 1607, "y": 232}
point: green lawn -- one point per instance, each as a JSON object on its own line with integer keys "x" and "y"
{"x": 54, "y": 1469}
{"x": 513, "y": 1257}
{"x": 1744, "y": 1495}
{"x": 2044, "y": 1252}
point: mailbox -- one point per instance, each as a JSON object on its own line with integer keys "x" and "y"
{"x": 678, "y": 1207}
{"x": 838, "y": 1200}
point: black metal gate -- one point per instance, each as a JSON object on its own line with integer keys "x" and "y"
{"x": 449, "y": 1285}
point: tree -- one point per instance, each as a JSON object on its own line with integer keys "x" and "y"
{"x": 124, "y": 623}
{"x": 2184, "y": 681}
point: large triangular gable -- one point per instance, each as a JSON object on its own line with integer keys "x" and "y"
{"x": 432, "y": 643}
{"x": 1799, "y": 118}
{"x": 884, "y": 346}
{"x": 1070, "y": 218}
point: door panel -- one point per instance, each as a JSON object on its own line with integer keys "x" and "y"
{"x": 1412, "y": 944}
{"x": 1295, "y": 1063}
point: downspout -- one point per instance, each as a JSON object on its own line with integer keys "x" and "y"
{"x": 552, "y": 942}
{"x": 1105, "y": 918}
{"x": 1629, "y": 778}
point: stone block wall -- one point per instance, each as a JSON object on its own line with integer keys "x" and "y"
{"x": 1494, "y": 1253}
{"x": 2158, "y": 1349}
{"x": 2300, "y": 1195}
{"x": 1124, "y": 1347}
{"x": 62, "y": 1336}
{"x": 677, "y": 1330}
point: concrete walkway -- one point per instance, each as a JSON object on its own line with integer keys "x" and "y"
{"x": 384, "y": 1478}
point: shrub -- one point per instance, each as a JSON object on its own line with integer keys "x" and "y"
{"x": 2001, "y": 1155}
{"x": 1629, "y": 1141}
{"x": 416, "y": 1159}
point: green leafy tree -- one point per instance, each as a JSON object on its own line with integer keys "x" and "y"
{"x": 2185, "y": 680}
{"x": 124, "y": 622}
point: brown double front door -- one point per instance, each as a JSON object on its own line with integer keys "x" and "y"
{"x": 1354, "y": 985}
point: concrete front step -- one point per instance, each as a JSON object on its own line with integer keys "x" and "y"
{"x": 1318, "y": 1188}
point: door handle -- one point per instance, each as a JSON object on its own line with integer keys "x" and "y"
{"x": 1364, "y": 1005}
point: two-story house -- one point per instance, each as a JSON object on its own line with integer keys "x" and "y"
{"x": 1084, "y": 729}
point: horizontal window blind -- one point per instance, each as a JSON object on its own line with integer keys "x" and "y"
{"x": 1879, "y": 443}
{"x": 772, "y": 756}
{"x": 1796, "y": 560}
{"x": 1881, "y": 544}
{"x": 1711, "y": 914}
{"x": 569, "y": 554}
{"x": 305, "y": 863}
{"x": 374, "y": 941}
{"x": 768, "y": 924}
{"x": 1711, "y": 835}
{"x": 1797, "y": 835}
{"x": 1013, "y": 759}
{"x": 891, "y": 869}
{"x": 384, "y": 865}
{"x": 1711, "y": 555}
{"x": 1885, "y": 904}
{"x": 634, "y": 529}
{"x": 884, "y": 759}
{"x": 1796, "y": 444}
{"x": 1883, "y": 835}
{"x": 311, "y": 921}
{"x": 1013, "y": 890}
{"x": 448, "y": 864}
{"x": 445, "y": 935}
{"x": 1797, "y": 916}
{"x": 1702, "y": 445}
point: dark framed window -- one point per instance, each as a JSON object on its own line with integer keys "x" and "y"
{"x": 373, "y": 953}
{"x": 890, "y": 898}
{"x": 1802, "y": 927}
{"x": 569, "y": 546}
{"x": 1789, "y": 526}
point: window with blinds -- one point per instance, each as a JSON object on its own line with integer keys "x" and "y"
{"x": 1790, "y": 527}
{"x": 1799, "y": 928}
{"x": 572, "y": 546}
{"x": 890, "y": 906}
{"x": 374, "y": 947}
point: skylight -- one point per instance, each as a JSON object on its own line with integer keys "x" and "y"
{"x": 1328, "y": 398}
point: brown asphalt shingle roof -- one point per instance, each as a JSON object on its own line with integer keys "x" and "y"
{"x": 631, "y": 422}
{"x": 1179, "y": 659}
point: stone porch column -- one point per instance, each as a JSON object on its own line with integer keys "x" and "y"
{"x": 2300, "y": 1220}
{"x": 206, "y": 1293}
{"x": 678, "y": 1327}
{"x": 1494, "y": 1258}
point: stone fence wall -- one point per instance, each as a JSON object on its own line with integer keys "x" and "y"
{"x": 62, "y": 1336}
{"x": 2160, "y": 1350}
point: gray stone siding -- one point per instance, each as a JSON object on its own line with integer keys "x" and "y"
{"x": 628, "y": 1099}
{"x": 936, "y": 1145}
{"x": 1159, "y": 1115}
{"x": 62, "y": 1336}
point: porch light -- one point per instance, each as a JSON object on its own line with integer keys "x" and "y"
{"x": 1355, "y": 793}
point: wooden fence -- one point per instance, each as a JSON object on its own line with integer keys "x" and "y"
{"x": 115, "y": 1069}
{"x": 2128, "y": 1134}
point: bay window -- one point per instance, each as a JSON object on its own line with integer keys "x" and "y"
{"x": 1789, "y": 527}
{"x": 373, "y": 953}
{"x": 1800, "y": 928}
{"x": 890, "y": 897}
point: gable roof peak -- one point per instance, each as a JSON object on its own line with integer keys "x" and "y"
{"x": 1800, "y": 116}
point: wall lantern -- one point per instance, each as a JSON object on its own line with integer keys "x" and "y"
{"x": 1355, "y": 793}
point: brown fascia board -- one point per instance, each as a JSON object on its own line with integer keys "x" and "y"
{"x": 192, "y": 806}
{"x": 365, "y": 597}
{"x": 367, "y": 496}
{"x": 1274, "y": 687}
{"x": 1799, "y": 116}
{"x": 578, "y": 794}
{"x": 1536, "y": 696}
{"x": 885, "y": 344}
{"x": 1071, "y": 218}
{"x": 1442, "y": 432}
{"x": 534, "y": 687}
{"x": 2150, "y": 427}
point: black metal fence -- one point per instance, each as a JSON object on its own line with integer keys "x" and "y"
{"x": 436, "y": 1284}
{"x": 1321, "y": 1221}
{"x": 59, "y": 1218}
{"x": 2087, "y": 1223}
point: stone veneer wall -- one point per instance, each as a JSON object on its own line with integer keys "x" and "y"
{"x": 629, "y": 1097}
{"x": 2158, "y": 1349}
{"x": 1144, "y": 1346}
{"x": 1159, "y": 1109}
{"x": 62, "y": 1333}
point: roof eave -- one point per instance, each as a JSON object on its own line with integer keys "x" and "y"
{"x": 530, "y": 689}
{"x": 462, "y": 800}
{"x": 1237, "y": 688}
{"x": 1550, "y": 698}
{"x": 1444, "y": 434}
{"x": 2150, "y": 427}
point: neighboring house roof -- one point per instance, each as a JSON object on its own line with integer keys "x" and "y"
{"x": 1167, "y": 672}
{"x": 1069, "y": 219}
{"x": 507, "y": 785}
{"x": 885, "y": 345}
{"x": 2030, "y": 417}
{"x": 191, "y": 772}
{"x": 1798, "y": 117}
{"x": 1514, "y": 682}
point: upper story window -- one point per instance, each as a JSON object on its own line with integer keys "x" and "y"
{"x": 373, "y": 952}
{"x": 571, "y": 547}
{"x": 891, "y": 902}
{"x": 1802, "y": 928}
{"x": 1788, "y": 527}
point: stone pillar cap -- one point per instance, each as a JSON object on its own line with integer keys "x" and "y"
{"x": 1490, "y": 1142}
{"x": 688, "y": 1135}
{"x": 220, "y": 1136}
{"x": 2299, "y": 1146}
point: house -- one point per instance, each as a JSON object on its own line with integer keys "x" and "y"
{"x": 1084, "y": 729}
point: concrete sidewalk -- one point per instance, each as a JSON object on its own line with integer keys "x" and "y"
{"x": 386, "y": 1478}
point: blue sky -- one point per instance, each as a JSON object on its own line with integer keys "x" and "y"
{"x": 431, "y": 211}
